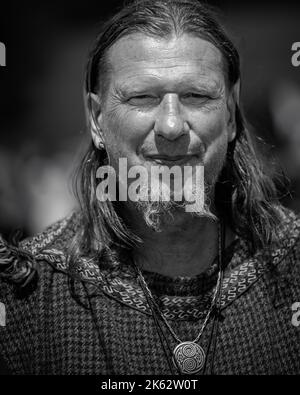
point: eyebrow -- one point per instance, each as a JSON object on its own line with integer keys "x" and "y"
{"x": 136, "y": 85}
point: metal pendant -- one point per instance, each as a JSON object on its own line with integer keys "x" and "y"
{"x": 189, "y": 357}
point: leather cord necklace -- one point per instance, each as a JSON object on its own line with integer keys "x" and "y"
{"x": 188, "y": 356}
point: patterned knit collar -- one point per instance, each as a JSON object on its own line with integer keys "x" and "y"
{"x": 181, "y": 298}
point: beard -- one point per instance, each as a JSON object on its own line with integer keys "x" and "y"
{"x": 159, "y": 207}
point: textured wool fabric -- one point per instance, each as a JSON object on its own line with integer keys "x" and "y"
{"x": 105, "y": 325}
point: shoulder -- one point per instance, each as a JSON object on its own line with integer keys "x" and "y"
{"x": 270, "y": 269}
{"x": 288, "y": 240}
{"x": 57, "y": 236}
{"x": 35, "y": 293}
{"x": 281, "y": 261}
{"x": 22, "y": 261}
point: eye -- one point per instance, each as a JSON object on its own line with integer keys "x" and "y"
{"x": 193, "y": 97}
{"x": 143, "y": 100}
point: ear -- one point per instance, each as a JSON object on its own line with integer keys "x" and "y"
{"x": 95, "y": 119}
{"x": 232, "y": 101}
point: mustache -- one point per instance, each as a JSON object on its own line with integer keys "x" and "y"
{"x": 173, "y": 149}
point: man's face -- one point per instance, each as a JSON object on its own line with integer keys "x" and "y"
{"x": 167, "y": 103}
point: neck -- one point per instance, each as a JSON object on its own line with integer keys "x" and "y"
{"x": 185, "y": 246}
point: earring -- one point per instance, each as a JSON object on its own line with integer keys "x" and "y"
{"x": 98, "y": 141}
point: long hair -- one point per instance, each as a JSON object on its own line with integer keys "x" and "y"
{"x": 245, "y": 196}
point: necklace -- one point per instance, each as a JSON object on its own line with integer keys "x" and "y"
{"x": 188, "y": 356}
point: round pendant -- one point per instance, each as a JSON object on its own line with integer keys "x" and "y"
{"x": 189, "y": 356}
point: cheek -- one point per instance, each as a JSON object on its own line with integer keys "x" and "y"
{"x": 213, "y": 133}
{"x": 125, "y": 131}
{"x": 211, "y": 126}
{"x": 215, "y": 158}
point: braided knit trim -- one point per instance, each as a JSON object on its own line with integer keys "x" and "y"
{"x": 39, "y": 242}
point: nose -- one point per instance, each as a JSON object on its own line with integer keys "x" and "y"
{"x": 169, "y": 122}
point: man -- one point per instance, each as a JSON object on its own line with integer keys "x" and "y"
{"x": 145, "y": 286}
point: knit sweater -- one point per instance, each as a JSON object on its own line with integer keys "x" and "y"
{"x": 101, "y": 323}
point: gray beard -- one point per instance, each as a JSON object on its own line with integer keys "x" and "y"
{"x": 157, "y": 214}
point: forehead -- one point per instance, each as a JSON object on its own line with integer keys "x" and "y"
{"x": 138, "y": 58}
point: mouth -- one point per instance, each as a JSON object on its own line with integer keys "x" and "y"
{"x": 170, "y": 160}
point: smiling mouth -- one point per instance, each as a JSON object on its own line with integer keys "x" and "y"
{"x": 173, "y": 160}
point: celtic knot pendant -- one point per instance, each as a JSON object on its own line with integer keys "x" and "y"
{"x": 189, "y": 357}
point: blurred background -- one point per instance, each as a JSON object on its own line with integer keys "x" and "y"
{"x": 42, "y": 121}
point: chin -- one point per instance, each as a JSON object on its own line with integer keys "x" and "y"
{"x": 162, "y": 215}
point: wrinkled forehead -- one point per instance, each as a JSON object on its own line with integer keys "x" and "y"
{"x": 138, "y": 56}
